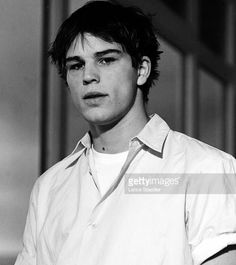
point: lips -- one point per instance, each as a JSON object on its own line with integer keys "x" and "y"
{"x": 92, "y": 95}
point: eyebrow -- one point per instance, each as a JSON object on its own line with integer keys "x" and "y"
{"x": 96, "y": 55}
{"x": 105, "y": 52}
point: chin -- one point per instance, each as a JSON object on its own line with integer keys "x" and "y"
{"x": 100, "y": 118}
{"x": 96, "y": 118}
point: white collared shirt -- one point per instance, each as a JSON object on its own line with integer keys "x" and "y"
{"x": 70, "y": 223}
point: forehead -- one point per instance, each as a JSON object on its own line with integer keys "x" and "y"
{"x": 90, "y": 44}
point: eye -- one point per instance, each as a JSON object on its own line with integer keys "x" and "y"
{"x": 75, "y": 66}
{"x": 106, "y": 60}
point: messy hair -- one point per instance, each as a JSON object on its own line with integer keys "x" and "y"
{"x": 112, "y": 22}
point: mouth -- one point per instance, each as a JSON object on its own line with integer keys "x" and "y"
{"x": 94, "y": 95}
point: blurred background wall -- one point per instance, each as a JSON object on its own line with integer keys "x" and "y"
{"x": 38, "y": 123}
{"x": 20, "y": 59}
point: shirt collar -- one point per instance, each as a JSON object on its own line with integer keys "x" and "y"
{"x": 152, "y": 135}
{"x": 84, "y": 143}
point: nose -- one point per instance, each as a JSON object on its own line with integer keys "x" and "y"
{"x": 90, "y": 74}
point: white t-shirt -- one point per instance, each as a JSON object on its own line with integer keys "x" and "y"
{"x": 107, "y": 167}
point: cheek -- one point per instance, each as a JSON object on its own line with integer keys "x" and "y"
{"x": 75, "y": 94}
{"x": 74, "y": 86}
{"x": 125, "y": 93}
{"x": 128, "y": 84}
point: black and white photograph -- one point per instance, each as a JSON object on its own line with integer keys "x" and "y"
{"x": 118, "y": 132}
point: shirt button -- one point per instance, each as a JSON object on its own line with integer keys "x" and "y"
{"x": 93, "y": 225}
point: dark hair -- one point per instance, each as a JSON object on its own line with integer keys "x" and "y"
{"x": 111, "y": 22}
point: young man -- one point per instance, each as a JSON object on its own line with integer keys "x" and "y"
{"x": 81, "y": 210}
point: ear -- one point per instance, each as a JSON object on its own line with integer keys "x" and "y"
{"x": 144, "y": 70}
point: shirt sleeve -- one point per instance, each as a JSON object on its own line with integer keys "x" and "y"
{"x": 211, "y": 211}
{"x": 28, "y": 254}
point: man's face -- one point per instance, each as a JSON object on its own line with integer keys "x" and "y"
{"x": 101, "y": 78}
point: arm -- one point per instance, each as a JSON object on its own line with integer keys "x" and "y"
{"x": 227, "y": 256}
{"x": 211, "y": 215}
{"x": 28, "y": 254}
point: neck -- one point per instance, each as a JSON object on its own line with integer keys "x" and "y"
{"x": 115, "y": 137}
